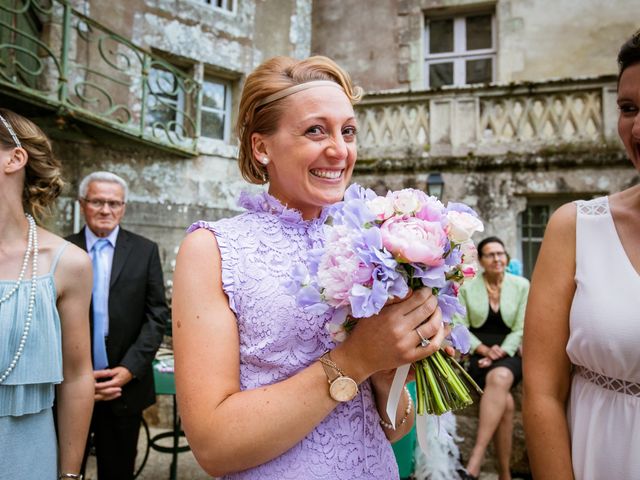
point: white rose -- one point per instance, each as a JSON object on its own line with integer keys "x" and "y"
{"x": 406, "y": 202}
{"x": 462, "y": 225}
{"x": 469, "y": 253}
{"x": 381, "y": 207}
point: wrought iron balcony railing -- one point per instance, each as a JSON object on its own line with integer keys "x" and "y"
{"x": 53, "y": 55}
{"x": 488, "y": 120}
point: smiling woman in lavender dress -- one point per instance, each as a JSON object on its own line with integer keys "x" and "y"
{"x": 253, "y": 395}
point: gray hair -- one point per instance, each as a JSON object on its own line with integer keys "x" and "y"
{"x": 102, "y": 177}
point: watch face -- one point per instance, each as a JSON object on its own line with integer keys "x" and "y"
{"x": 343, "y": 389}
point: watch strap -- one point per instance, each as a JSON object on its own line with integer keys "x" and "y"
{"x": 327, "y": 362}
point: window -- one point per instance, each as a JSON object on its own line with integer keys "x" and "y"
{"x": 165, "y": 102}
{"x": 460, "y": 50}
{"x": 215, "y": 111}
{"x": 229, "y": 5}
{"x": 533, "y": 222}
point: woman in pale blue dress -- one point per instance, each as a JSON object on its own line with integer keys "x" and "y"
{"x": 45, "y": 293}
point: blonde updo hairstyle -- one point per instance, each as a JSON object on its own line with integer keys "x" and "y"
{"x": 270, "y": 77}
{"x": 42, "y": 183}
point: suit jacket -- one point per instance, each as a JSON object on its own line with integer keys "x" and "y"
{"x": 138, "y": 315}
{"x": 513, "y": 303}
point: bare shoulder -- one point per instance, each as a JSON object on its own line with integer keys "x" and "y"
{"x": 564, "y": 217}
{"x": 74, "y": 264}
{"x": 199, "y": 244}
{"x": 74, "y": 261}
{"x": 562, "y": 227}
{"x": 556, "y": 260}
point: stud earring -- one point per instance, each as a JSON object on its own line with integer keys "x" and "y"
{"x": 264, "y": 161}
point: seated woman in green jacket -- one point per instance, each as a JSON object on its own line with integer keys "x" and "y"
{"x": 495, "y": 303}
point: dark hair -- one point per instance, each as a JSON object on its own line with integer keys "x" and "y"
{"x": 629, "y": 53}
{"x": 487, "y": 240}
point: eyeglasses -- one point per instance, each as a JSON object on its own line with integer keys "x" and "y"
{"x": 495, "y": 255}
{"x": 99, "y": 204}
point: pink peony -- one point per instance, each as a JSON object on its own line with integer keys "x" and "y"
{"x": 411, "y": 239}
{"x": 431, "y": 209}
{"x": 340, "y": 268}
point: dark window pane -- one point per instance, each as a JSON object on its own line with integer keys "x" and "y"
{"x": 530, "y": 252}
{"x": 440, "y": 74}
{"x": 441, "y": 36}
{"x": 162, "y": 99}
{"x": 160, "y": 111}
{"x": 163, "y": 83}
{"x": 213, "y": 95}
{"x": 212, "y": 125}
{"x": 479, "y": 32}
{"x": 534, "y": 221}
{"x": 479, "y": 71}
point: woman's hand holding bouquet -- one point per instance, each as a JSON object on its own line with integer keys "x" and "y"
{"x": 379, "y": 248}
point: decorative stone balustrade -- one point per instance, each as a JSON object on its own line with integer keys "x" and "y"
{"x": 488, "y": 120}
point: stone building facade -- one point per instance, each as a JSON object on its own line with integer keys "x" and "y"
{"x": 511, "y": 102}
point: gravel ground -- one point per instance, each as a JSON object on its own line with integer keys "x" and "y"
{"x": 158, "y": 464}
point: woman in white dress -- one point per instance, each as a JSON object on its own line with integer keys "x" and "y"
{"x": 582, "y": 327}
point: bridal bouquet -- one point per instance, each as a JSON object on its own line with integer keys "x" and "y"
{"x": 379, "y": 247}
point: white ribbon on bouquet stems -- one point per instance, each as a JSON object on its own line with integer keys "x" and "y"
{"x": 393, "y": 401}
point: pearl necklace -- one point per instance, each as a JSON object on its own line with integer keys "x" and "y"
{"x": 23, "y": 270}
{"x": 32, "y": 246}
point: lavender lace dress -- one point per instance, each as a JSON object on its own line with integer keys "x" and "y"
{"x": 277, "y": 339}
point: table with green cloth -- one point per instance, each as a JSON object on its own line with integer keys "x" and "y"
{"x": 165, "y": 385}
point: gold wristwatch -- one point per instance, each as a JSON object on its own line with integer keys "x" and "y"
{"x": 341, "y": 387}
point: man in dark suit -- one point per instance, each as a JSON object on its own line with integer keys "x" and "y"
{"x": 128, "y": 318}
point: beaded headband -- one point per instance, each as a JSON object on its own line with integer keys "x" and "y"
{"x": 297, "y": 88}
{"x": 11, "y": 132}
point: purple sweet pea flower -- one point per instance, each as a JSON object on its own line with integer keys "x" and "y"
{"x": 460, "y": 338}
{"x": 355, "y": 214}
{"x": 356, "y": 192}
{"x": 432, "y": 277}
{"x": 310, "y": 300}
{"x": 368, "y": 301}
{"x": 461, "y": 207}
{"x": 449, "y": 303}
{"x": 454, "y": 257}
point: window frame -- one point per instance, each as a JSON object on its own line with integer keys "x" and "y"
{"x": 226, "y": 112}
{"x": 179, "y": 102}
{"x": 460, "y": 55}
{"x": 231, "y": 6}
{"x": 552, "y": 203}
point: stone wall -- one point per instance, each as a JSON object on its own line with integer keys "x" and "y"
{"x": 382, "y": 43}
{"x": 499, "y": 187}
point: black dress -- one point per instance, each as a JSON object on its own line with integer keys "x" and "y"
{"x": 493, "y": 332}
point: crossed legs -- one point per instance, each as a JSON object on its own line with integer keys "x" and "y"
{"x": 495, "y": 421}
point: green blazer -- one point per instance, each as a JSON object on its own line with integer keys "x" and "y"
{"x": 513, "y": 302}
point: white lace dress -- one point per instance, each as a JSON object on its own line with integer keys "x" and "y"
{"x": 604, "y": 346}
